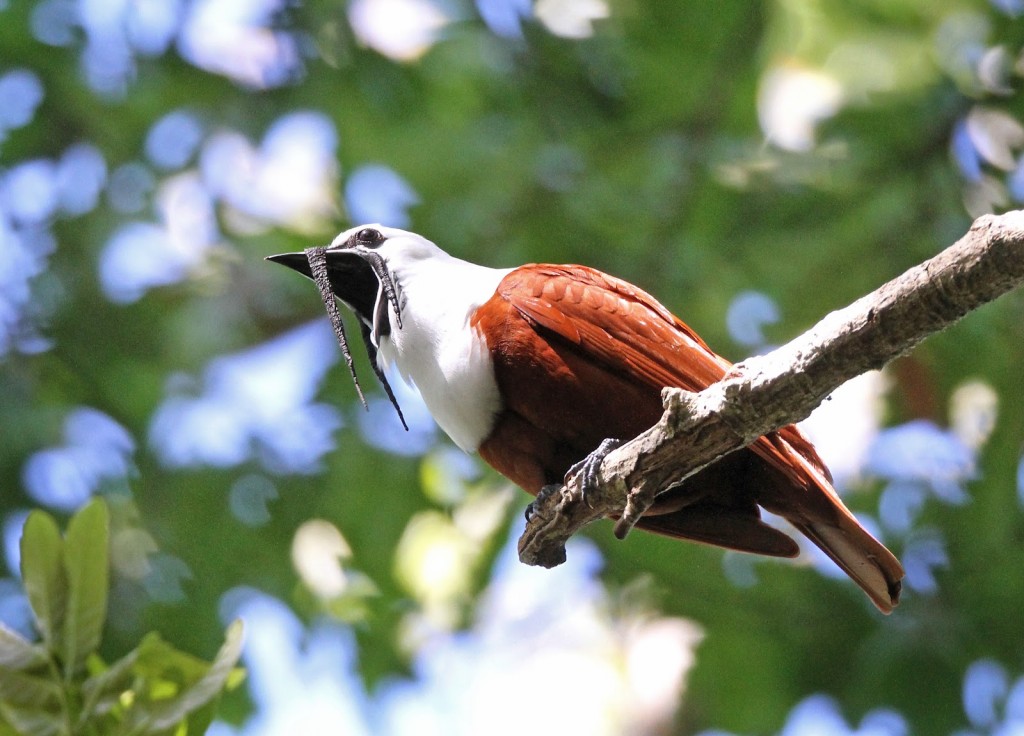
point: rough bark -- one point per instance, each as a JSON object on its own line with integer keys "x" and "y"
{"x": 767, "y": 392}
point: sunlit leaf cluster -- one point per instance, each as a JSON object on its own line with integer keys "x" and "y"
{"x": 60, "y": 685}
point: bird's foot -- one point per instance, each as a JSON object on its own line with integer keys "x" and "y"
{"x": 542, "y": 495}
{"x": 590, "y": 470}
{"x": 590, "y": 466}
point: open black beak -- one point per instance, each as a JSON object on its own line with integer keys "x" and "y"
{"x": 297, "y": 261}
{"x": 352, "y": 279}
{"x": 359, "y": 277}
{"x": 361, "y": 280}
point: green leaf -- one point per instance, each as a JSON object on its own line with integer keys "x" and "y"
{"x": 158, "y": 661}
{"x": 42, "y": 573}
{"x": 110, "y": 683}
{"x": 28, "y": 691}
{"x": 158, "y": 717}
{"x": 200, "y": 720}
{"x": 6, "y": 729}
{"x": 17, "y": 653}
{"x": 31, "y": 721}
{"x": 87, "y": 564}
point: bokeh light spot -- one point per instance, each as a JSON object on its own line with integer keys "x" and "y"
{"x": 21, "y": 93}
{"x": 173, "y": 139}
{"x": 249, "y": 499}
{"x": 376, "y": 193}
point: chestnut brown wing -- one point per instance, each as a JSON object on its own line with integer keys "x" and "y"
{"x": 594, "y": 321}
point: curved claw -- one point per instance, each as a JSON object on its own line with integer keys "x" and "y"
{"x": 542, "y": 495}
{"x": 590, "y": 466}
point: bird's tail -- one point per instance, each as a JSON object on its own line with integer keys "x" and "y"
{"x": 815, "y": 509}
{"x": 861, "y": 556}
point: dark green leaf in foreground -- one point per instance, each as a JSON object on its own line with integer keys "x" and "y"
{"x": 29, "y": 691}
{"x": 160, "y": 716}
{"x": 16, "y": 653}
{"x": 101, "y": 691}
{"x": 87, "y": 563}
{"x": 30, "y": 721}
{"x": 42, "y": 573}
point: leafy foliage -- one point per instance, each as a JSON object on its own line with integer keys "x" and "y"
{"x": 61, "y": 686}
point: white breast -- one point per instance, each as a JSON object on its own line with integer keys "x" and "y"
{"x": 436, "y": 349}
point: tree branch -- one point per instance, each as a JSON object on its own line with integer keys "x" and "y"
{"x": 764, "y": 393}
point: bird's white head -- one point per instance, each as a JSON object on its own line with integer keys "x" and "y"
{"x": 397, "y": 247}
{"x": 414, "y": 303}
{"x": 367, "y": 266}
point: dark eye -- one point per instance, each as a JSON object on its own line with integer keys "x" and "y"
{"x": 369, "y": 236}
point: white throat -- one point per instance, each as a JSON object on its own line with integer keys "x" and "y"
{"x": 438, "y": 351}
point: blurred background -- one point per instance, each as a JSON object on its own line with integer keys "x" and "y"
{"x": 753, "y": 164}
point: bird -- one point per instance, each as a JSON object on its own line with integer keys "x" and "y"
{"x": 538, "y": 366}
